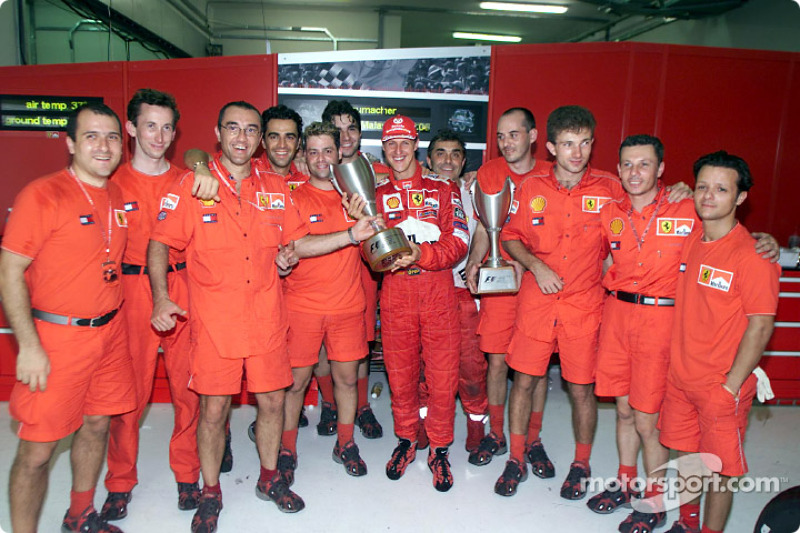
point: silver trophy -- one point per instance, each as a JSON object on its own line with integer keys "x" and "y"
{"x": 495, "y": 275}
{"x": 383, "y": 248}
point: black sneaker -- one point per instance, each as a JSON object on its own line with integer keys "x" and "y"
{"x": 88, "y": 522}
{"x": 403, "y": 455}
{"x": 277, "y": 490}
{"x": 287, "y": 463}
{"x": 327, "y": 420}
{"x": 440, "y": 467}
{"x": 574, "y": 487}
{"x": 115, "y": 506}
{"x": 513, "y": 474}
{"x": 609, "y": 501}
{"x": 188, "y": 496}
{"x": 638, "y": 522}
{"x": 207, "y": 514}
{"x": 489, "y": 446}
{"x": 303, "y": 421}
{"x": 348, "y": 456}
{"x": 541, "y": 466}
{"x": 370, "y": 427}
{"x": 227, "y": 458}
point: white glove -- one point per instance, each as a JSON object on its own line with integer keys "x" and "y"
{"x": 763, "y": 388}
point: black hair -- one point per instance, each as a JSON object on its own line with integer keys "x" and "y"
{"x": 723, "y": 159}
{"x": 152, "y": 97}
{"x": 240, "y": 103}
{"x": 281, "y": 112}
{"x": 644, "y": 140}
{"x": 572, "y": 118}
{"x": 528, "y": 119}
{"x": 341, "y": 107}
{"x": 98, "y": 108}
{"x": 447, "y": 135}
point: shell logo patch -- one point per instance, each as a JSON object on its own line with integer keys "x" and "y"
{"x": 676, "y": 227}
{"x": 122, "y": 218}
{"x": 616, "y": 226}
{"x": 391, "y": 202}
{"x": 206, "y": 204}
{"x": 715, "y": 278}
{"x": 538, "y": 204}
{"x": 170, "y": 201}
{"x": 416, "y": 198}
{"x": 592, "y": 204}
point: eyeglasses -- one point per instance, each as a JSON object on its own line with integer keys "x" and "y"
{"x": 234, "y": 129}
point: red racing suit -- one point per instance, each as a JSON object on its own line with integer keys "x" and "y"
{"x": 419, "y": 309}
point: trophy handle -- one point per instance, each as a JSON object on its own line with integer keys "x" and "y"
{"x": 333, "y": 180}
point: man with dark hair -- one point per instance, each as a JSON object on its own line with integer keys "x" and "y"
{"x": 645, "y": 234}
{"x": 516, "y": 135}
{"x": 234, "y": 251}
{"x": 152, "y": 119}
{"x": 60, "y": 288}
{"x": 447, "y": 156}
{"x": 419, "y": 310}
{"x": 554, "y": 234}
{"x": 726, "y": 302}
{"x": 345, "y": 117}
{"x": 325, "y": 303}
{"x": 282, "y": 128}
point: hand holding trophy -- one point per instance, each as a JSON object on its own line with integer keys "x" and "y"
{"x": 495, "y": 275}
{"x": 358, "y": 178}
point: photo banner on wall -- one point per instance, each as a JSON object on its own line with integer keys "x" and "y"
{"x": 438, "y": 88}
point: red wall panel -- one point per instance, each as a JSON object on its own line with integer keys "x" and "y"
{"x": 202, "y": 87}
{"x": 696, "y": 99}
{"x": 28, "y": 155}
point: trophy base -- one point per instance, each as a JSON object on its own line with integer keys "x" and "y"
{"x": 497, "y": 280}
{"x": 382, "y": 249}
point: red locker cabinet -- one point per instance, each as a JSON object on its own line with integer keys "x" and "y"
{"x": 781, "y": 359}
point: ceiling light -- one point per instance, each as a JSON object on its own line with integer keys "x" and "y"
{"x": 486, "y": 37}
{"x": 525, "y": 8}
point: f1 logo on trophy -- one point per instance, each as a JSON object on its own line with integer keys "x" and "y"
{"x": 383, "y": 248}
{"x": 495, "y": 275}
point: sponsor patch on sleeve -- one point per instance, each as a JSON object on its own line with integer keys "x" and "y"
{"x": 715, "y": 278}
{"x": 459, "y": 213}
{"x": 461, "y": 234}
{"x": 170, "y": 202}
{"x": 456, "y": 199}
{"x": 460, "y": 225}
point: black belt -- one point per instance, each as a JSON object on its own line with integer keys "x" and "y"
{"x": 641, "y": 299}
{"x": 134, "y": 270}
{"x": 65, "y": 320}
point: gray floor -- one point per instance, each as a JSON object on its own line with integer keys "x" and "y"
{"x": 337, "y": 502}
